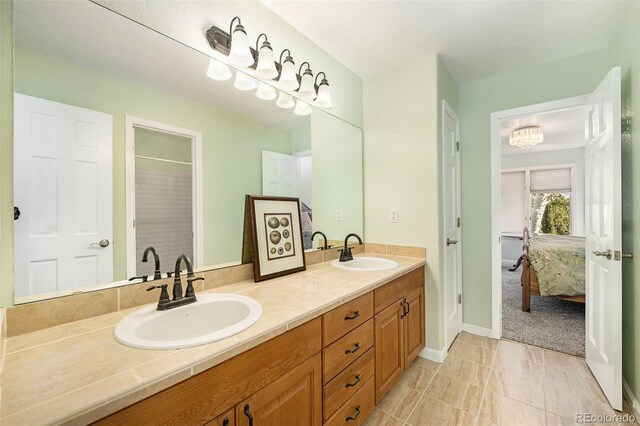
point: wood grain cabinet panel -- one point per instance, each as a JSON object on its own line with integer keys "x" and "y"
{"x": 400, "y": 287}
{"x": 389, "y": 348}
{"x": 414, "y": 325}
{"x": 355, "y": 411}
{"x": 226, "y": 419}
{"x": 341, "y": 320}
{"x": 347, "y": 349}
{"x": 293, "y": 399}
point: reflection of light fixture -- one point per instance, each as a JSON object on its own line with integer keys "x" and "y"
{"x": 218, "y": 70}
{"x": 239, "y": 52}
{"x": 244, "y": 82}
{"x": 266, "y": 67}
{"x": 285, "y": 100}
{"x": 324, "y": 96}
{"x": 265, "y": 92}
{"x": 307, "y": 90}
{"x": 302, "y": 108}
{"x": 526, "y": 137}
{"x": 288, "y": 78}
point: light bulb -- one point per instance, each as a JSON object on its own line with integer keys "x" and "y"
{"x": 288, "y": 78}
{"x": 324, "y": 95}
{"x": 285, "y": 100}
{"x": 265, "y": 92}
{"x": 266, "y": 68}
{"x": 307, "y": 90}
{"x": 244, "y": 82}
{"x": 302, "y": 108}
{"x": 218, "y": 70}
{"x": 240, "y": 53}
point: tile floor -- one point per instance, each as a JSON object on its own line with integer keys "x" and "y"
{"x": 493, "y": 382}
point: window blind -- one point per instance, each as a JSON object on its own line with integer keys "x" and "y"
{"x": 550, "y": 180}
{"x": 513, "y": 203}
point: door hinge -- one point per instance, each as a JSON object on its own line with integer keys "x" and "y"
{"x": 457, "y": 146}
{"x": 458, "y": 222}
{"x": 134, "y": 223}
{"x": 459, "y": 299}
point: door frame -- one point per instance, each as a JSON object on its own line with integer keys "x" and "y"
{"x": 131, "y": 123}
{"x": 448, "y": 110}
{"x": 496, "y": 163}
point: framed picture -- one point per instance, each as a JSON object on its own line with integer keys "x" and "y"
{"x": 276, "y": 236}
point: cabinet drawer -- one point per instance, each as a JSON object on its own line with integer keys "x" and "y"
{"x": 356, "y": 410}
{"x": 346, "y": 350}
{"x": 227, "y": 419}
{"x": 347, "y": 383}
{"x": 345, "y": 318}
{"x": 398, "y": 288}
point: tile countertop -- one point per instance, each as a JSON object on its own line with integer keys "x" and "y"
{"x": 77, "y": 373}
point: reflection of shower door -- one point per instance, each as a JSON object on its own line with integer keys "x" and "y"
{"x": 63, "y": 188}
{"x": 279, "y": 174}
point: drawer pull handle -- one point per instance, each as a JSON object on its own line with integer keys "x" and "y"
{"x": 404, "y": 309}
{"x": 247, "y": 412}
{"x": 350, "y": 385}
{"x": 225, "y": 422}
{"x": 355, "y": 315}
{"x": 355, "y": 416}
{"x": 352, "y": 350}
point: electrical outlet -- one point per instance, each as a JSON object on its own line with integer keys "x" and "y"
{"x": 338, "y": 215}
{"x": 393, "y": 215}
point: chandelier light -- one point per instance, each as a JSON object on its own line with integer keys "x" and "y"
{"x": 526, "y": 137}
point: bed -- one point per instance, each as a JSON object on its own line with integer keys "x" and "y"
{"x": 552, "y": 266}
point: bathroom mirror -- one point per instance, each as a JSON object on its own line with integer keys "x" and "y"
{"x": 122, "y": 142}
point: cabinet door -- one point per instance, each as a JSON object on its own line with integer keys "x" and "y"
{"x": 226, "y": 419}
{"x": 389, "y": 348}
{"x": 414, "y": 339}
{"x": 293, "y": 399}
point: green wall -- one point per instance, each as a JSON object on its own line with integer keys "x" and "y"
{"x": 574, "y": 76}
{"x": 232, "y": 144}
{"x": 624, "y": 51}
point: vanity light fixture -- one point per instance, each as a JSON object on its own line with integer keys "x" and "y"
{"x": 324, "y": 95}
{"x": 244, "y": 82}
{"x": 307, "y": 90}
{"x": 266, "y": 67}
{"x": 285, "y": 100}
{"x": 266, "y": 92}
{"x": 302, "y": 108}
{"x": 218, "y": 70}
{"x": 288, "y": 78}
{"x": 526, "y": 137}
{"x": 239, "y": 50}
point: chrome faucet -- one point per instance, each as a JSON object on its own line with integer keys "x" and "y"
{"x": 325, "y": 246}
{"x": 157, "y": 275}
{"x": 345, "y": 253}
{"x": 178, "y": 300}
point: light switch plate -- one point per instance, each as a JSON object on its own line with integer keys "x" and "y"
{"x": 393, "y": 215}
{"x": 338, "y": 215}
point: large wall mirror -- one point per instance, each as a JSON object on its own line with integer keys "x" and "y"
{"x": 122, "y": 142}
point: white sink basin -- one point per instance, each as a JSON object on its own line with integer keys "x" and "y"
{"x": 366, "y": 264}
{"x": 212, "y": 317}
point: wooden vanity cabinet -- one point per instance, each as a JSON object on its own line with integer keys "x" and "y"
{"x": 226, "y": 419}
{"x": 399, "y": 328}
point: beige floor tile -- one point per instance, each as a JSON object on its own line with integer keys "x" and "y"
{"x": 519, "y": 367}
{"x": 472, "y": 353}
{"x": 380, "y": 418}
{"x": 433, "y": 412}
{"x": 466, "y": 371}
{"x": 564, "y": 361}
{"x": 500, "y": 410}
{"x": 400, "y": 401}
{"x": 514, "y": 387}
{"x": 570, "y": 380}
{"x": 417, "y": 377}
{"x": 568, "y": 404}
{"x": 480, "y": 341}
{"x": 519, "y": 350}
{"x": 423, "y": 362}
{"x": 457, "y": 393}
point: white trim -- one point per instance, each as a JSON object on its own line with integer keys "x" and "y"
{"x": 447, "y": 110}
{"x": 631, "y": 399}
{"x": 435, "y": 355}
{"x": 131, "y": 123}
{"x": 474, "y": 329}
{"x": 496, "y": 153}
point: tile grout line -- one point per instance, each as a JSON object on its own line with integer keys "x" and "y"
{"x": 486, "y": 385}
{"x": 424, "y": 392}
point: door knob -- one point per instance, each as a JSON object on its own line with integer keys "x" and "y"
{"x": 451, "y": 242}
{"x": 606, "y": 254}
{"x": 103, "y": 243}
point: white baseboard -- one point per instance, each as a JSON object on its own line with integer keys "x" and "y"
{"x": 474, "y": 329}
{"x": 631, "y": 399}
{"x": 435, "y": 355}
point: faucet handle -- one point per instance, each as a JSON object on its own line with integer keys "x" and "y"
{"x": 164, "y": 294}
{"x": 143, "y": 277}
{"x": 190, "y": 292}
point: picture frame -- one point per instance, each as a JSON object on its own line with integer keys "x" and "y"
{"x": 277, "y": 247}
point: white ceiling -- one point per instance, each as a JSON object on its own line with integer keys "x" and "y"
{"x": 476, "y": 39}
{"x": 562, "y": 130}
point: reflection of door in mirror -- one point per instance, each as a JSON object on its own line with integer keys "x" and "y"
{"x": 162, "y": 195}
{"x": 63, "y": 188}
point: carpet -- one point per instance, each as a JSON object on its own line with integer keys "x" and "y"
{"x": 552, "y": 323}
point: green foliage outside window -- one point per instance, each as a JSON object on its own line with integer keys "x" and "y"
{"x": 556, "y": 218}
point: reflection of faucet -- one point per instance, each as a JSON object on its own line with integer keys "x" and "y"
{"x": 190, "y": 295}
{"x": 156, "y": 274}
{"x": 345, "y": 253}
{"x": 325, "y": 246}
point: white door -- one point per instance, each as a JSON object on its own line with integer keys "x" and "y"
{"x": 452, "y": 276}
{"x": 63, "y": 188}
{"x": 279, "y": 174}
{"x": 604, "y": 237}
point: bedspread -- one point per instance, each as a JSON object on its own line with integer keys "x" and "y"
{"x": 559, "y": 263}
